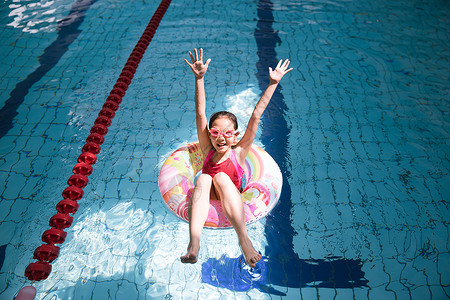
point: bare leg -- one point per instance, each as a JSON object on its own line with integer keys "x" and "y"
{"x": 234, "y": 209}
{"x": 198, "y": 212}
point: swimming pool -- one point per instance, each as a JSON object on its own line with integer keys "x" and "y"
{"x": 359, "y": 130}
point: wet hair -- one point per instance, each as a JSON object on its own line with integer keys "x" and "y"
{"x": 224, "y": 114}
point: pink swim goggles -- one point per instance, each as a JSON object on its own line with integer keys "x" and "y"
{"x": 226, "y": 132}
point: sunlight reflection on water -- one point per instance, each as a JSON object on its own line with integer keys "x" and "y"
{"x": 37, "y": 17}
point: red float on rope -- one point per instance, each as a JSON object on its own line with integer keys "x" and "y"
{"x": 148, "y": 34}
{"x": 83, "y": 169}
{"x": 111, "y": 105}
{"x": 125, "y": 77}
{"x": 118, "y": 91}
{"x": 129, "y": 68}
{"x": 78, "y": 180}
{"x": 146, "y": 39}
{"x": 60, "y": 221}
{"x": 139, "y": 49}
{"x": 67, "y": 206}
{"x": 142, "y": 45}
{"x": 87, "y": 158}
{"x": 72, "y": 192}
{"x": 46, "y": 252}
{"x": 54, "y": 236}
{"x": 132, "y": 64}
{"x": 134, "y": 58}
{"x": 106, "y": 112}
{"x": 137, "y": 54}
{"x": 121, "y": 85}
{"x": 151, "y": 27}
{"x": 99, "y": 128}
{"x": 91, "y": 147}
{"x": 114, "y": 98}
{"x": 95, "y": 137}
{"x": 38, "y": 270}
{"x": 105, "y": 121}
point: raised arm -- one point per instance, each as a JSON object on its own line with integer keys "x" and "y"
{"x": 199, "y": 69}
{"x": 275, "y": 76}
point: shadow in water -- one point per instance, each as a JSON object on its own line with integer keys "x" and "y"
{"x": 234, "y": 274}
{"x": 2, "y": 255}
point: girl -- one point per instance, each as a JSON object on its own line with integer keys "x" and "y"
{"x": 222, "y": 171}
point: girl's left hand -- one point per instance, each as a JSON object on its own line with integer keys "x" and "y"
{"x": 280, "y": 70}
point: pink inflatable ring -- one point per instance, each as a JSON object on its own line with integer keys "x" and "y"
{"x": 261, "y": 189}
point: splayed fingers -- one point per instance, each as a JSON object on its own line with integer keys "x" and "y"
{"x": 197, "y": 66}
{"x": 280, "y": 70}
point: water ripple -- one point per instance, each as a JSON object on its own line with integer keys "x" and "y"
{"x": 37, "y": 16}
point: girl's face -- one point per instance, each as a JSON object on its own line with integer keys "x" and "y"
{"x": 222, "y": 127}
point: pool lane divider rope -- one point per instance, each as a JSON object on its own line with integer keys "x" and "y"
{"x": 48, "y": 252}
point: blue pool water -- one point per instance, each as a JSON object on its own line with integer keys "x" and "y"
{"x": 359, "y": 129}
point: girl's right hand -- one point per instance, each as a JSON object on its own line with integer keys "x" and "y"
{"x": 197, "y": 65}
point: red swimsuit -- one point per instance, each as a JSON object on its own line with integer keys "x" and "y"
{"x": 230, "y": 167}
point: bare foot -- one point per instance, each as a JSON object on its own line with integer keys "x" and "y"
{"x": 250, "y": 254}
{"x": 191, "y": 256}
